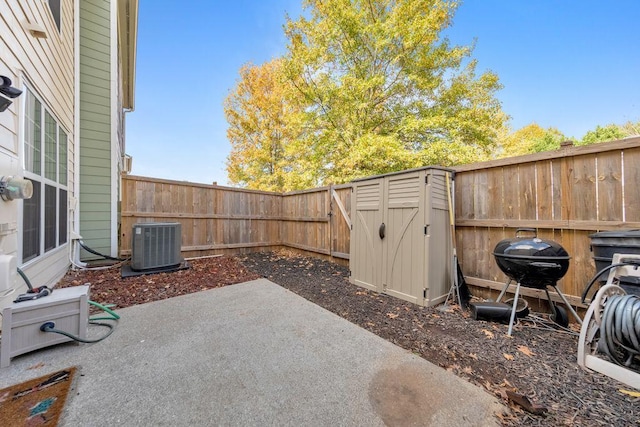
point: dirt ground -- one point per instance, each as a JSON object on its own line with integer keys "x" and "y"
{"x": 537, "y": 362}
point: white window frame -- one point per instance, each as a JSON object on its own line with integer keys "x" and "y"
{"x": 61, "y": 236}
{"x": 56, "y": 15}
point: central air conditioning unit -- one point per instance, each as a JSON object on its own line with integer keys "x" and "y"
{"x": 156, "y": 245}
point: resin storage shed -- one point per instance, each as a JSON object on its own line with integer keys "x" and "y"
{"x": 401, "y": 235}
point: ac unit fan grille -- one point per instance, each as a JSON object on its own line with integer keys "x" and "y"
{"x": 156, "y": 245}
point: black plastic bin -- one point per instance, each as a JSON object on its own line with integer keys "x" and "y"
{"x": 630, "y": 284}
{"x": 607, "y": 243}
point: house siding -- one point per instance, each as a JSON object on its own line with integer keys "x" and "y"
{"x": 46, "y": 66}
{"x": 95, "y": 126}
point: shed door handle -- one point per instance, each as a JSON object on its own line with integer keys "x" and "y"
{"x": 381, "y": 230}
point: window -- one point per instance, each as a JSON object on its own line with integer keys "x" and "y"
{"x": 54, "y": 5}
{"x": 44, "y": 216}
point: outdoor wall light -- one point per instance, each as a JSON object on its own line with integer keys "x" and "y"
{"x": 13, "y": 187}
{"x": 4, "y": 103}
{"x": 9, "y": 91}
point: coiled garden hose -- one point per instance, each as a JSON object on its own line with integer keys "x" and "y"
{"x": 50, "y": 327}
{"x": 620, "y": 329}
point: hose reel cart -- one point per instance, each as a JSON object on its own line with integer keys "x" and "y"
{"x": 610, "y": 335}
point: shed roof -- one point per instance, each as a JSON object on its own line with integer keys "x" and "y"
{"x": 442, "y": 168}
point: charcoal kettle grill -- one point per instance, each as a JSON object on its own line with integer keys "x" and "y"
{"x": 534, "y": 263}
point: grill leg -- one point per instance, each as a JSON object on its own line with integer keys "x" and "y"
{"x": 506, "y": 285}
{"x": 551, "y": 304}
{"x": 513, "y": 309}
{"x": 564, "y": 299}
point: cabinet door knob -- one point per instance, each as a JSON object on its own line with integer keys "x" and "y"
{"x": 381, "y": 230}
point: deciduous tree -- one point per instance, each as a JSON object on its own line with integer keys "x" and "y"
{"x": 530, "y": 139}
{"x": 610, "y": 132}
{"x": 384, "y": 90}
{"x": 265, "y": 121}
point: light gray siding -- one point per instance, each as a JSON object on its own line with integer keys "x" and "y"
{"x": 95, "y": 126}
{"x": 46, "y": 67}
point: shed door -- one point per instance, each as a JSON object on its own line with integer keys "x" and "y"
{"x": 365, "y": 241}
{"x": 404, "y": 243}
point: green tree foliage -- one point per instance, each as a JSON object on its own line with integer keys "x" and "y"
{"x": 530, "y": 139}
{"x": 610, "y": 132}
{"x": 631, "y": 129}
{"x": 264, "y": 124}
{"x": 384, "y": 91}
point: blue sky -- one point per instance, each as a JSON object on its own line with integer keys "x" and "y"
{"x": 570, "y": 64}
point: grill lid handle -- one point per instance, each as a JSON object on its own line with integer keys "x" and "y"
{"x": 528, "y": 230}
{"x": 545, "y": 265}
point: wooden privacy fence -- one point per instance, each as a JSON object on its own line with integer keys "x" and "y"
{"x": 566, "y": 194}
{"x": 318, "y": 220}
{"x": 219, "y": 219}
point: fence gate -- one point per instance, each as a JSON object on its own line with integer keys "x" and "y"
{"x": 340, "y": 231}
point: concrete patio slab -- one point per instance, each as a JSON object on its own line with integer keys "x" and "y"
{"x": 252, "y": 354}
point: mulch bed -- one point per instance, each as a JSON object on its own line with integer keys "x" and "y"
{"x": 536, "y": 362}
{"x": 108, "y": 287}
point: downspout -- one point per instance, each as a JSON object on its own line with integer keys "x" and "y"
{"x": 114, "y": 126}
{"x": 75, "y": 202}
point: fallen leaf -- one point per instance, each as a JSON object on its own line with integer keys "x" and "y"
{"x": 502, "y": 393}
{"x": 489, "y": 334}
{"x": 502, "y": 416}
{"x": 507, "y": 356}
{"x": 525, "y": 350}
{"x": 392, "y": 315}
{"x": 526, "y": 403}
{"x": 630, "y": 393}
{"x": 467, "y": 370}
{"x": 506, "y": 383}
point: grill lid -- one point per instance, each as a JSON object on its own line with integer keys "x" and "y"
{"x": 532, "y": 261}
{"x": 532, "y": 247}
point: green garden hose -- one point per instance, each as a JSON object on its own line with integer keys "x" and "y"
{"x": 50, "y": 326}
{"x": 114, "y": 315}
